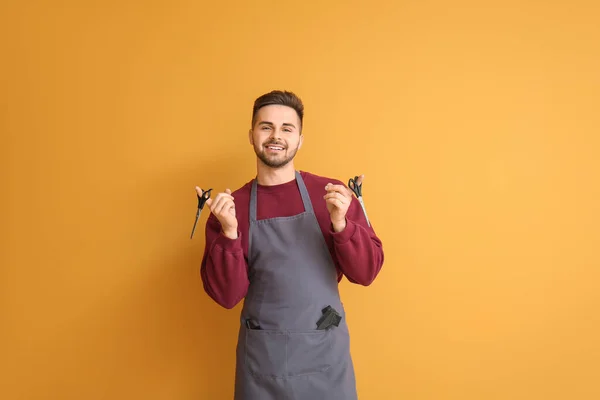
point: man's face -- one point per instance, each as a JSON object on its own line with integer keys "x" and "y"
{"x": 276, "y": 135}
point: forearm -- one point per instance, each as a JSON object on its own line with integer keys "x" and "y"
{"x": 359, "y": 253}
{"x": 224, "y": 269}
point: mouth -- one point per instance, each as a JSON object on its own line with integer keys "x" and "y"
{"x": 274, "y": 148}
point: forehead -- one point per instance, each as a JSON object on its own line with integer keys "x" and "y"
{"x": 277, "y": 114}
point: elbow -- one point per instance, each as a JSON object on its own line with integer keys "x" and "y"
{"x": 229, "y": 303}
{"x": 227, "y": 299}
{"x": 367, "y": 280}
{"x": 227, "y": 292}
{"x": 368, "y": 276}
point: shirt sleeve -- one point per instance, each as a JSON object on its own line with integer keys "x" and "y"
{"x": 358, "y": 250}
{"x": 224, "y": 269}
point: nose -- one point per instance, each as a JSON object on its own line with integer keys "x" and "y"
{"x": 276, "y": 133}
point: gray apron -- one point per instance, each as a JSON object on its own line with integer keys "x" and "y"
{"x": 280, "y": 353}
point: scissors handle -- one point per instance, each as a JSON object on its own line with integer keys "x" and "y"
{"x": 356, "y": 188}
{"x": 202, "y": 199}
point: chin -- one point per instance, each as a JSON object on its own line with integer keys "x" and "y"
{"x": 275, "y": 162}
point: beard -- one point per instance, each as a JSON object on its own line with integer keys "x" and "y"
{"x": 276, "y": 160}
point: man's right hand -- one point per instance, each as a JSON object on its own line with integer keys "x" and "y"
{"x": 223, "y": 208}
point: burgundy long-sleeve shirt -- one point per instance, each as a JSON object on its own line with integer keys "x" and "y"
{"x": 356, "y": 251}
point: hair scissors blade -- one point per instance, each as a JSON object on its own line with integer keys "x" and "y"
{"x": 195, "y": 222}
{"x": 201, "y": 201}
{"x": 362, "y": 204}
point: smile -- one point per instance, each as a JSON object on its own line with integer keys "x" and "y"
{"x": 275, "y": 148}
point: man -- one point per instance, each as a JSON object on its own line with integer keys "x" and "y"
{"x": 282, "y": 242}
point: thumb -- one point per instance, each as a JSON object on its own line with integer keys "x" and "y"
{"x": 208, "y": 202}
{"x": 198, "y": 190}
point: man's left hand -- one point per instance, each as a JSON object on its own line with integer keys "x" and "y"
{"x": 338, "y": 199}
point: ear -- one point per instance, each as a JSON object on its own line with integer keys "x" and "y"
{"x": 250, "y": 138}
{"x": 301, "y": 141}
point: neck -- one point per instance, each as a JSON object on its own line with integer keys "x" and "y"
{"x": 268, "y": 176}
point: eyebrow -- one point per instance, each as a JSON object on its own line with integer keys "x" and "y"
{"x": 271, "y": 124}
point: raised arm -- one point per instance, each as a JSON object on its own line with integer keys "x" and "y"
{"x": 358, "y": 250}
{"x": 224, "y": 269}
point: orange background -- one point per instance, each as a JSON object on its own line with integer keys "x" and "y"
{"x": 477, "y": 127}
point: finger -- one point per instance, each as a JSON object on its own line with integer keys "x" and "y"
{"x": 336, "y": 198}
{"x": 335, "y": 195}
{"x": 223, "y": 207}
{"x": 340, "y": 195}
{"x": 337, "y": 203}
{"x": 360, "y": 179}
{"x": 337, "y": 188}
{"x": 214, "y": 204}
{"x": 345, "y": 192}
{"x": 227, "y": 193}
{"x": 198, "y": 190}
{"x": 221, "y": 197}
{"x": 220, "y": 200}
{"x": 228, "y": 209}
{"x": 331, "y": 186}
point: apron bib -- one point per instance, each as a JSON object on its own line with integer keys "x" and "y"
{"x": 280, "y": 352}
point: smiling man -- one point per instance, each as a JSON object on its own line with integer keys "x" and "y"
{"x": 282, "y": 243}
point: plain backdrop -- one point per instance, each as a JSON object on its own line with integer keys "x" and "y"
{"x": 476, "y": 125}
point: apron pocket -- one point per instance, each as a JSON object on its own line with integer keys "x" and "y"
{"x": 265, "y": 352}
{"x": 309, "y": 352}
{"x": 278, "y": 354}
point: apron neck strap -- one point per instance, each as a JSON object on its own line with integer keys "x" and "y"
{"x": 303, "y": 192}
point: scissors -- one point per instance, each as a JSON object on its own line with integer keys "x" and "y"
{"x": 201, "y": 201}
{"x": 357, "y": 189}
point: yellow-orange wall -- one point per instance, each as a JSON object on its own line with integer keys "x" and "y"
{"x": 475, "y": 123}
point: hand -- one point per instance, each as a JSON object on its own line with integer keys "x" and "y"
{"x": 223, "y": 208}
{"x": 338, "y": 199}
{"x": 359, "y": 180}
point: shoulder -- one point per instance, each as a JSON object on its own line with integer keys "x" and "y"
{"x": 241, "y": 197}
{"x": 243, "y": 191}
{"x": 321, "y": 181}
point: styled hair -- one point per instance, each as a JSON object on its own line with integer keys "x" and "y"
{"x": 278, "y": 97}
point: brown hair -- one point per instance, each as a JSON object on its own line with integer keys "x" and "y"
{"x": 279, "y": 97}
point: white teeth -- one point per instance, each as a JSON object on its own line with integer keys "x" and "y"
{"x": 275, "y": 148}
